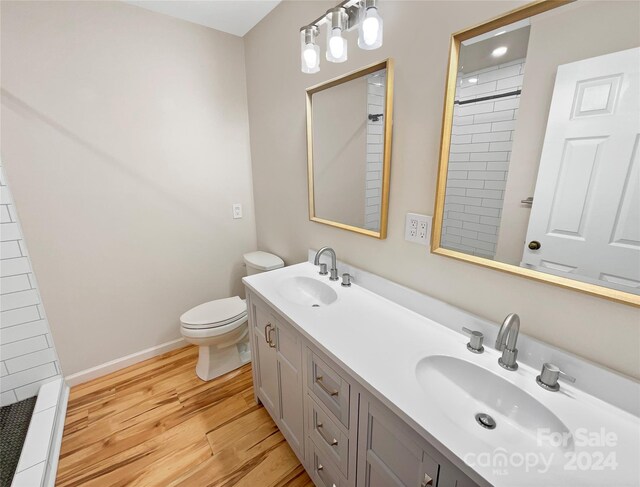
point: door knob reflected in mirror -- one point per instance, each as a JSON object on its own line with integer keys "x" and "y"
{"x": 534, "y": 245}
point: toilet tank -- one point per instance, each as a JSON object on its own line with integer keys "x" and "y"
{"x": 259, "y": 261}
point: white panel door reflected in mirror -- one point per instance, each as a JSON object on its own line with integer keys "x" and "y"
{"x": 542, "y": 170}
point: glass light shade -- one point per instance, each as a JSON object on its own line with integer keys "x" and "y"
{"x": 309, "y": 53}
{"x": 370, "y": 29}
{"x": 336, "y": 46}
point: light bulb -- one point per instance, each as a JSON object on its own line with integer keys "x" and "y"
{"x": 370, "y": 30}
{"x": 309, "y": 50}
{"x": 370, "y": 27}
{"x": 310, "y": 55}
{"x": 336, "y": 44}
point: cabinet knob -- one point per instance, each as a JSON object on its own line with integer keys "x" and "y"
{"x": 428, "y": 481}
{"x": 534, "y": 245}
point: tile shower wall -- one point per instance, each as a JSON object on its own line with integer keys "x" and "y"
{"x": 375, "y": 146}
{"x": 481, "y": 140}
{"x": 27, "y": 354}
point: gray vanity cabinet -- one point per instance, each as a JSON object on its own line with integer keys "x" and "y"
{"x": 265, "y": 362}
{"x": 277, "y": 369}
{"x": 290, "y": 376}
{"x": 389, "y": 454}
{"x": 332, "y": 422}
{"x": 343, "y": 435}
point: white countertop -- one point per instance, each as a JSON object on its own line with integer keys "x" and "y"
{"x": 380, "y": 343}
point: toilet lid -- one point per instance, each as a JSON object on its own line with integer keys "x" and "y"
{"x": 263, "y": 261}
{"x": 216, "y": 313}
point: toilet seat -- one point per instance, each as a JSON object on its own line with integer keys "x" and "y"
{"x": 220, "y": 313}
{"x": 198, "y": 333}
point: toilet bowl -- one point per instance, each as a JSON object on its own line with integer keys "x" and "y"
{"x": 219, "y": 328}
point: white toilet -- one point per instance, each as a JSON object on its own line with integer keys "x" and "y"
{"x": 220, "y": 328}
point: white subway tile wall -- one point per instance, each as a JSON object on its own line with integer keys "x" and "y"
{"x": 375, "y": 147}
{"x": 27, "y": 353}
{"x": 481, "y": 139}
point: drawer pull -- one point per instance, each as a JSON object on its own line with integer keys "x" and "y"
{"x": 325, "y": 388}
{"x": 320, "y": 467}
{"x": 267, "y": 335}
{"x": 333, "y": 442}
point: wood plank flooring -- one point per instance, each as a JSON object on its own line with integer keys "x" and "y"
{"x": 156, "y": 424}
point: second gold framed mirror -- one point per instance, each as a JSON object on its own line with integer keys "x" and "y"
{"x": 539, "y": 166}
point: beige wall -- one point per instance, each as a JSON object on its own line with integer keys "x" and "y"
{"x": 339, "y": 166}
{"x": 125, "y": 139}
{"x": 417, "y": 36}
{"x": 584, "y": 30}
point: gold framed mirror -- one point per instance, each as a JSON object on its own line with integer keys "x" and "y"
{"x": 349, "y": 125}
{"x": 538, "y": 171}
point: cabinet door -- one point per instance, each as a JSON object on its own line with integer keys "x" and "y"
{"x": 266, "y": 360}
{"x": 289, "y": 354}
{"x": 390, "y": 455}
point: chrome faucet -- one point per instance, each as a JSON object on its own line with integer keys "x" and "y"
{"x": 323, "y": 267}
{"x": 506, "y": 342}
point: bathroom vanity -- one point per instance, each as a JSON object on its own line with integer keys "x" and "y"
{"x": 339, "y": 432}
{"x": 370, "y": 393}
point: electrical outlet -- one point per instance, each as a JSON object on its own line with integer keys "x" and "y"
{"x": 237, "y": 211}
{"x": 418, "y": 228}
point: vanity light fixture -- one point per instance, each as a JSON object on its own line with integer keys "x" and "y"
{"x": 499, "y": 51}
{"x": 336, "y": 44}
{"x": 309, "y": 49}
{"x": 343, "y": 18}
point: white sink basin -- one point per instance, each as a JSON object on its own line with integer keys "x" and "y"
{"x": 460, "y": 390}
{"x": 306, "y": 291}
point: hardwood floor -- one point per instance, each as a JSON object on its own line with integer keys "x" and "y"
{"x": 156, "y": 424}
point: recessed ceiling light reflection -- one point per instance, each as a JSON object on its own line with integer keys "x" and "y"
{"x": 499, "y": 51}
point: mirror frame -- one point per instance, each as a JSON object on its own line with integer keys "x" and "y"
{"x": 521, "y": 13}
{"x": 386, "y": 166}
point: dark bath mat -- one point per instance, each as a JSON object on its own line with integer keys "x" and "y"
{"x": 14, "y": 423}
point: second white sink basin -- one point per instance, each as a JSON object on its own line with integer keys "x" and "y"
{"x": 461, "y": 391}
{"x": 306, "y": 291}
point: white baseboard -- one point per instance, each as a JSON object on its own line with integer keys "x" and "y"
{"x": 122, "y": 362}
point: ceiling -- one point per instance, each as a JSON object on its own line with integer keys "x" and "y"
{"x": 235, "y": 17}
{"x": 475, "y": 53}
{"x": 478, "y": 55}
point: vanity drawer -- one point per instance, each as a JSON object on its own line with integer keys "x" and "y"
{"x": 328, "y": 436}
{"x": 328, "y": 387}
{"x": 324, "y": 472}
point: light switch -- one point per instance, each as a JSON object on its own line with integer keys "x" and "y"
{"x": 237, "y": 211}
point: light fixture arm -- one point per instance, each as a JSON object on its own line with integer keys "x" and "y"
{"x": 352, "y": 7}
